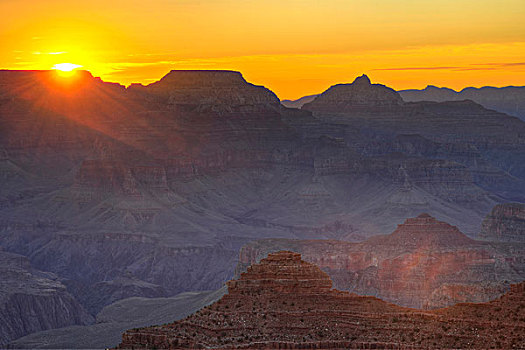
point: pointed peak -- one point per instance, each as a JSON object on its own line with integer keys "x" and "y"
{"x": 363, "y": 79}
{"x": 426, "y": 231}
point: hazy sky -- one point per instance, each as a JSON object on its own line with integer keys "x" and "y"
{"x": 294, "y": 47}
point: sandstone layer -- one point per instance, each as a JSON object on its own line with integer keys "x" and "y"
{"x": 269, "y": 307}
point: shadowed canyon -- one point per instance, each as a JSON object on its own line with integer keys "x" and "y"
{"x": 125, "y": 207}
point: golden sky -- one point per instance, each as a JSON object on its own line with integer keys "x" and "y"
{"x": 294, "y": 47}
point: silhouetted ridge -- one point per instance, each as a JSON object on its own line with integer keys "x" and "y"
{"x": 363, "y": 79}
{"x": 209, "y": 90}
{"x": 509, "y": 99}
{"x": 200, "y": 78}
{"x": 361, "y": 94}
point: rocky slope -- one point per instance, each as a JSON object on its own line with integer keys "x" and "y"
{"x": 284, "y": 302}
{"x": 424, "y": 263}
{"x": 508, "y": 99}
{"x": 505, "y": 223}
{"x": 32, "y": 300}
{"x": 116, "y": 318}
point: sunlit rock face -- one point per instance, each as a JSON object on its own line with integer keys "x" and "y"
{"x": 284, "y": 302}
{"x": 505, "y": 223}
{"x": 424, "y": 263}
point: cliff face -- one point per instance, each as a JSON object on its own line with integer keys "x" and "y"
{"x": 505, "y": 223}
{"x": 32, "y": 300}
{"x": 269, "y": 307}
{"x": 424, "y": 263}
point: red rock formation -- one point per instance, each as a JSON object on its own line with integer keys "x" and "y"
{"x": 286, "y": 303}
{"x": 282, "y": 272}
{"x": 424, "y": 231}
{"x": 506, "y": 223}
{"x": 424, "y": 263}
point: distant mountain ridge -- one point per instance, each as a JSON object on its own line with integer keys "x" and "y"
{"x": 299, "y": 102}
{"x": 361, "y": 94}
{"x": 509, "y": 99}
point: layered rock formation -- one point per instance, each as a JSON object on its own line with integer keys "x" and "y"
{"x": 282, "y": 272}
{"x": 32, "y": 300}
{"x": 284, "y": 302}
{"x": 135, "y": 191}
{"x": 505, "y": 223}
{"x": 424, "y": 263}
{"x": 508, "y": 99}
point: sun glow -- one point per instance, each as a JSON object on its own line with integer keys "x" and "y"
{"x": 66, "y": 67}
{"x": 66, "y": 70}
{"x": 295, "y": 48}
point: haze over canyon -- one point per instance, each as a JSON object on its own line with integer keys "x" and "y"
{"x": 129, "y": 207}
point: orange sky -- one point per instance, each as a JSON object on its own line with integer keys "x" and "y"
{"x": 294, "y": 47}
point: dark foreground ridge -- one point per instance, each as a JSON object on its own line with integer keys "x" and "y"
{"x": 286, "y": 303}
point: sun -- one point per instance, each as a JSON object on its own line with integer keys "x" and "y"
{"x": 66, "y": 69}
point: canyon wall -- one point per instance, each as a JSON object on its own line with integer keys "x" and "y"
{"x": 152, "y": 190}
